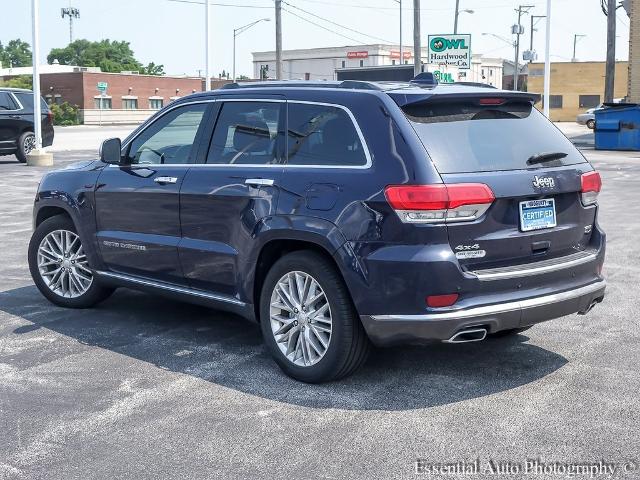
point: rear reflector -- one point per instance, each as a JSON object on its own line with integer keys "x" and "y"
{"x": 591, "y": 184}
{"x": 436, "y": 301}
{"x": 437, "y": 203}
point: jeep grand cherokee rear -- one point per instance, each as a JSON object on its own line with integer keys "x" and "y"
{"x": 518, "y": 203}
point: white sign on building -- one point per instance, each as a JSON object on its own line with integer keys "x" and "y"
{"x": 454, "y": 50}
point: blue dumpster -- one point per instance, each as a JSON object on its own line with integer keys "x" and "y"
{"x": 618, "y": 127}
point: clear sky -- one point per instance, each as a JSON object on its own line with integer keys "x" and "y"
{"x": 171, "y": 32}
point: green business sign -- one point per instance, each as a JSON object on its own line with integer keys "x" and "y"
{"x": 453, "y": 50}
{"x": 102, "y": 86}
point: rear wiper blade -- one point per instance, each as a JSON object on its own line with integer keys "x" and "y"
{"x": 545, "y": 157}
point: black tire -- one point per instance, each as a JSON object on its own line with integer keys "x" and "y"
{"x": 512, "y": 331}
{"x": 21, "y": 152}
{"x": 348, "y": 346}
{"x": 591, "y": 124}
{"x": 93, "y": 295}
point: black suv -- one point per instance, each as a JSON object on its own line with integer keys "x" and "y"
{"x": 334, "y": 214}
{"x": 16, "y": 123}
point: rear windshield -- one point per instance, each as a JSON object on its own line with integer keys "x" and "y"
{"x": 468, "y": 137}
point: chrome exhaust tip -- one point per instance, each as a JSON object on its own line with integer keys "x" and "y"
{"x": 591, "y": 305}
{"x": 468, "y": 335}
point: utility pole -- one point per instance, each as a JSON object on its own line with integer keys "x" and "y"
{"x": 279, "y": 39}
{"x": 518, "y": 30}
{"x": 207, "y": 40}
{"x": 417, "y": 46}
{"x": 455, "y": 18}
{"x": 576, "y": 37}
{"x": 72, "y": 13}
{"x": 610, "y": 74}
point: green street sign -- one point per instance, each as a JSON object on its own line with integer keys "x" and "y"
{"x": 102, "y": 86}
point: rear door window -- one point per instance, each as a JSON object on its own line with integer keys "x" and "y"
{"x": 465, "y": 136}
{"x": 323, "y": 135}
{"x": 246, "y": 133}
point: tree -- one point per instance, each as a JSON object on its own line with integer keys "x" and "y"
{"x": 152, "y": 69}
{"x": 110, "y": 56}
{"x": 15, "y": 54}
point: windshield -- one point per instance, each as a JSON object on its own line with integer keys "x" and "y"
{"x": 464, "y": 136}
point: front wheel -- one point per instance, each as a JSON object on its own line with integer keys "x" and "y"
{"x": 591, "y": 124}
{"x": 308, "y": 321}
{"x": 59, "y": 266}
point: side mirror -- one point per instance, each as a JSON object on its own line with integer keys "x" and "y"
{"x": 110, "y": 151}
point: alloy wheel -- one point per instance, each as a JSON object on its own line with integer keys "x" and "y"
{"x": 300, "y": 317}
{"x": 63, "y": 265}
{"x": 29, "y": 144}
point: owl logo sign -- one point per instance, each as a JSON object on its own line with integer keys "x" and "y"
{"x": 454, "y": 50}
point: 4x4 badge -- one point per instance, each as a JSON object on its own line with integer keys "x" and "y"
{"x": 543, "y": 182}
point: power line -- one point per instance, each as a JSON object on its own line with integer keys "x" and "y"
{"x": 323, "y": 27}
{"x": 196, "y": 2}
{"x": 336, "y": 24}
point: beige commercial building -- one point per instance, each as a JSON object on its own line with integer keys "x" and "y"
{"x": 575, "y": 86}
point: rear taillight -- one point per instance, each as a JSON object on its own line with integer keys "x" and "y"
{"x": 50, "y": 116}
{"x": 591, "y": 184}
{"x": 456, "y": 202}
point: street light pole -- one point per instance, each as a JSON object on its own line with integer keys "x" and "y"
{"x": 37, "y": 113}
{"x": 401, "y": 50}
{"x": 576, "y": 37}
{"x": 238, "y": 31}
{"x": 455, "y": 18}
{"x": 547, "y": 61}
{"x": 207, "y": 73}
{"x": 399, "y": 2}
{"x": 37, "y": 156}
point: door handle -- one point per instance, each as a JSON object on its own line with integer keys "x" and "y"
{"x": 15, "y": 117}
{"x": 257, "y": 182}
{"x": 165, "y": 179}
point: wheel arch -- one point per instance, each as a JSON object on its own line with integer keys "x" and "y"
{"x": 48, "y": 211}
{"x": 276, "y": 243}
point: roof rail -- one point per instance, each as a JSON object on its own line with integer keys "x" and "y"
{"x": 349, "y": 84}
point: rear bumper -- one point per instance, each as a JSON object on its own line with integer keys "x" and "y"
{"x": 386, "y": 330}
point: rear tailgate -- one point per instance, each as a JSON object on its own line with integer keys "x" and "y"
{"x": 531, "y": 167}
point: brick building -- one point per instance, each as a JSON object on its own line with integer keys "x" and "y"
{"x": 126, "y": 91}
{"x": 129, "y": 97}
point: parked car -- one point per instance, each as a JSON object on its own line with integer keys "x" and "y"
{"x": 335, "y": 214}
{"x": 588, "y": 118}
{"x": 16, "y": 123}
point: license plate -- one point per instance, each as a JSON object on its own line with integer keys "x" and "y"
{"x": 537, "y": 214}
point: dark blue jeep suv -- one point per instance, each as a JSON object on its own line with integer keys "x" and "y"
{"x": 336, "y": 214}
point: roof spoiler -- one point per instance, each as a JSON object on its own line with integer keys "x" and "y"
{"x": 403, "y": 99}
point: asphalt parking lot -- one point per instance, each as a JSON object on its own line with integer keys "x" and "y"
{"x": 144, "y": 387}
